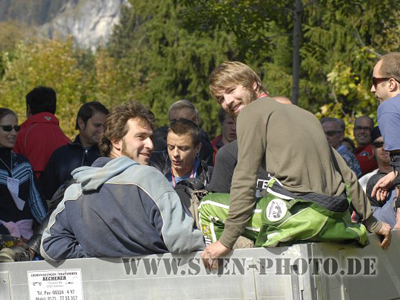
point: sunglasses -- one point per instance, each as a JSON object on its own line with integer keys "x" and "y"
{"x": 8, "y": 128}
{"x": 332, "y": 132}
{"x": 377, "y": 80}
{"x": 378, "y": 144}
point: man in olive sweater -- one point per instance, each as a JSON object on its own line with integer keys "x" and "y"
{"x": 290, "y": 141}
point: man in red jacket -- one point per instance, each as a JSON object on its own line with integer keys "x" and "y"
{"x": 40, "y": 134}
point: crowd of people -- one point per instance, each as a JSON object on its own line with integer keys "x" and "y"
{"x": 123, "y": 187}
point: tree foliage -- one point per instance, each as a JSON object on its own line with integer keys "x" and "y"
{"x": 76, "y": 76}
{"x": 339, "y": 46}
{"x": 163, "y": 60}
{"x": 49, "y": 64}
{"x": 163, "y": 51}
{"x": 359, "y": 32}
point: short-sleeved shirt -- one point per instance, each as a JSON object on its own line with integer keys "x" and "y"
{"x": 389, "y": 122}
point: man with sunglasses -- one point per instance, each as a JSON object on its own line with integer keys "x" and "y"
{"x": 382, "y": 210}
{"x": 386, "y": 87}
{"x": 362, "y": 133}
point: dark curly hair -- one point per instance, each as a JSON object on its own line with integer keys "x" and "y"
{"x": 116, "y": 127}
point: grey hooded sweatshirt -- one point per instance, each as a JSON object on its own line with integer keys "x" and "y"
{"x": 119, "y": 208}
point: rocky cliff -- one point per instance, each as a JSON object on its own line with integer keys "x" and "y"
{"x": 89, "y": 22}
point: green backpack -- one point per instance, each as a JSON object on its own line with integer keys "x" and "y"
{"x": 277, "y": 220}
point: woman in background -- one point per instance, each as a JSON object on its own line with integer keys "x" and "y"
{"x": 20, "y": 202}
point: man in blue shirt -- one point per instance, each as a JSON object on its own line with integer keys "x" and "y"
{"x": 386, "y": 87}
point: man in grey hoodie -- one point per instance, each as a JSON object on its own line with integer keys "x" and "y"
{"x": 120, "y": 206}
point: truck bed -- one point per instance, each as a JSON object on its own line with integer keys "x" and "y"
{"x": 302, "y": 271}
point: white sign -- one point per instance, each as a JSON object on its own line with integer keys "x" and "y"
{"x": 55, "y": 284}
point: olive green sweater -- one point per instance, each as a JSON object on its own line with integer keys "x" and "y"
{"x": 292, "y": 142}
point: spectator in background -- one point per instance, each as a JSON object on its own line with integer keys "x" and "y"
{"x": 83, "y": 151}
{"x": 334, "y": 131}
{"x": 120, "y": 207}
{"x": 228, "y": 126}
{"x": 40, "y": 134}
{"x": 382, "y": 210}
{"x": 184, "y": 109}
{"x": 348, "y": 142}
{"x": 181, "y": 161}
{"x": 364, "y": 154}
{"x": 20, "y": 202}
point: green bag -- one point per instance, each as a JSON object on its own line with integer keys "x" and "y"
{"x": 282, "y": 221}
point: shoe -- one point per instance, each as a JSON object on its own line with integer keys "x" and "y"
{"x": 15, "y": 253}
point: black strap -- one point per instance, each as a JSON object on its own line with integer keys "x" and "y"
{"x": 397, "y": 199}
{"x": 332, "y": 203}
{"x": 395, "y": 160}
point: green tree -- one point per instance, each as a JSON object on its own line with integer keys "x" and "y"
{"x": 338, "y": 47}
{"x": 345, "y": 39}
{"x": 11, "y": 33}
{"x": 162, "y": 60}
{"x": 51, "y": 63}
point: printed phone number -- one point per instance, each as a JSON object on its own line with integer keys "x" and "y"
{"x": 57, "y": 295}
{"x": 66, "y": 297}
